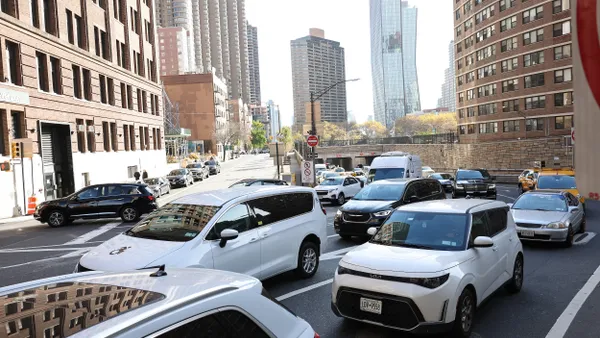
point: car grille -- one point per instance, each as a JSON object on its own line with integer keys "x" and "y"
{"x": 529, "y": 225}
{"x": 356, "y": 217}
{"x": 476, "y": 187}
{"x": 396, "y": 312}
{"x": 357, "y": 229}
{"x": 321, "y": 193}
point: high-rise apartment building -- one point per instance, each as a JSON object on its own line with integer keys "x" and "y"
{"x": 253, "y": 65}
{"x": 179, "y": 13}
{"x": 317, "y": 63}
{"x": 448, "y": 98}
{"x": 513, "y": 69}
{"x": 274, "y": 118}
{"x": 173, "y": 49}
{"x": 394, "y": 60}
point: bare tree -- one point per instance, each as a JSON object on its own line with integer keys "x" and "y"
{"x": 228, "y": 135}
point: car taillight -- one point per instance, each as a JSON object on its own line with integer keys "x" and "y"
{"x": 150, "y": 197}
{"x": 324, "y": 211}
{"x": 317, "y": 335}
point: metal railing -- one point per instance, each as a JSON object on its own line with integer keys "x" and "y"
{"x": 418, "y": 139}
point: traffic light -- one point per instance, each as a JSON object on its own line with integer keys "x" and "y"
{"x": 5, "y": 166}
{"x": 15, "y": 149}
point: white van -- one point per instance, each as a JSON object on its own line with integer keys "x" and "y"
{"x": 395, "y": 165}
{"x": 320, "y": 166}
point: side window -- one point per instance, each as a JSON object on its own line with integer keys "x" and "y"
{"x": 113, "y": 190}
{"x": 410, "y": 192}
{"x": 479, "y": 226}
{"x": 298, "y": 204}
{"x": 525, "y": 173}
{"x": 224, "y": 324}
{"x": 422, "y": 189}
{"x": 269, "y": 210}
{"x": 497, "y": 221}
{"x": 130, "y": 190}
{"x": 573, "y": 201}
{"x": 434, "y": 187}
{"x": 253, "y": 184}
{"x": 90, "y": 193}
{"x": 236, "y": 218}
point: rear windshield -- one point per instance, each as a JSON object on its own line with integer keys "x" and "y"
{"x": 557, "y": 182}
{"x": 65, "y": 309}
{"x": 385, "y": 173}
{"x": 151, "y": 181}
{"x": 177, "y": 172}
{"x": 195, "y": 165}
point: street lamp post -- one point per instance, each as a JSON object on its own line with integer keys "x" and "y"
{"x": 524, "y": 116}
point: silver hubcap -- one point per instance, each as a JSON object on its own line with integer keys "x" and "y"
{"x": 341, "y": 199}
{"x": 466, "y": 313}
{"x": 309, "y": 260}
{"x": 129, "y": 214}
{"x": 518, "y": 272}
{"x": 56, "y": 218}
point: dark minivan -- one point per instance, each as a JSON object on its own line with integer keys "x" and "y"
{"x": 128, "y": 201}
{"x": 372, "y": 205}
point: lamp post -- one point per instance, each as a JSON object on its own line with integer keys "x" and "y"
{"x": 524, "y": 116}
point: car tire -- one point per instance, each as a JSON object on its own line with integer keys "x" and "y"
{"x": 57, "y": 218}
{"x": 583, "y": 226}
{"x": 346, "y": 237}
{"x": 129, "y": 214}
{"x": 341, "y": 199}
{"x": 308, "y": 260}
{"x": 515, "y": 284}
{"x": 465, "y": 315}
{"x": 569, "y": 240}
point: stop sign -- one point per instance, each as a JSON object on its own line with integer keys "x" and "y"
{"x": 312, "y": 141}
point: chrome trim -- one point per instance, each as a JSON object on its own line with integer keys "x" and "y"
{"x": 361, "y": 222}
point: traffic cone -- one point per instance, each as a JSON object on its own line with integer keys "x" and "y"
{"x": 31, "y": 204}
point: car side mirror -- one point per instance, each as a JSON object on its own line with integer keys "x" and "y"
{"x": 372, "y": 231}
{"x": 451, "y": 178}
{"x": 573, "y": 209}
{"x": 362, "y": 184}
{"x": 228, "y": 235}
{"x": 412, "y": 199}
{"x": 509, "y": 205}
{"x": 483, "y": 242}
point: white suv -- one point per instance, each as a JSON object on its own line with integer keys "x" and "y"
{"x": 338, "y": 189}
{"x": 430, "y": 265}
{"x": 161, "y": 303}
{"x": 258, "y": 231}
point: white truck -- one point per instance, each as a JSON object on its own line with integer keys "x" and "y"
{"x": 395, "y": 164}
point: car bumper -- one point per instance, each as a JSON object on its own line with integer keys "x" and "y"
{"x": 177, "y": 183}
{"x": 479, "y": 194}
{"x": 542, "y": 235}
{"x": 405, "y": 307}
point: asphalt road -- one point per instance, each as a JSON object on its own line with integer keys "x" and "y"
{"x": 553, "y": 275}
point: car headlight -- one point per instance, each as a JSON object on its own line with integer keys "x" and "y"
{"x": 459, "y": 186}
{"x": 430, "y": 283}
{"x": 338, "y": 213}
{"x": 342, "y": 270}
{"x": 556, "y": 225}
{"x": 492, "y": 186}
{"x": 382, "y": 213}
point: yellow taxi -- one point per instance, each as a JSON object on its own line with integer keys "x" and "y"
{"x": 559, "y": 179}
{"x": 527, "y": 179}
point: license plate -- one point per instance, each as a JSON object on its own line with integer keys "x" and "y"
{"x": 370, "y": 305}
{"x": 527, "y": 233}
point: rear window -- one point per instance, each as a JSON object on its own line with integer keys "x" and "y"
{"x": 65, "y": 309}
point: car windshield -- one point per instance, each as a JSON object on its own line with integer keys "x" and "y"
{"x": 556, "y": 182}
{"x": 331, "y": 175}
{"x": 543, "y": 202}
{"x": 174, "y": 222}
{"x": 339, "y": 170}
{"x": 426, "y": 168}
{"x": 152, "y": 181}
{"x": 210, "y": 163}
{"x": 333, "y": 181}
{"x": 380, "y": 192}
{"x": 385, "y": 173}
{"x": 471, "y": 175}
{"x": 195, "y": 165}
{"x": 177, "y": 172}
{"x": 424, "y": 230}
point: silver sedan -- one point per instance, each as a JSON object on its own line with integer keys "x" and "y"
{"x": 548, "y": 216}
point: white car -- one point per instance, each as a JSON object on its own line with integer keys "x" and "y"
{"x": 427, "y": 171}
{"x": 430, "y": 266}
{"x": 258, "y": 231}
{"x": 338, "y": 189}
{"x": 147, "y": 303}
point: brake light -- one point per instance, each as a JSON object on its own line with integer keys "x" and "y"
{"x": 150, "y": 197}
{"x": 317, "y": 335}
{"x": 324, "y": 211}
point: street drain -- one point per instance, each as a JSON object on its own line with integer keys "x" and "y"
{"x": 580, "y": 238}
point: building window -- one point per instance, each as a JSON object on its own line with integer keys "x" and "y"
{"x": 132, "y": 137}
{"x": 470, "y": 94}
{"x": 159, "y": 138}
{"x": 470, "y": 77}
{"x": 484, "y": 14}
{"x": 70, "y": 32}
{"x": 462, "y": 130}
{"x": 486, "y": 52}
{"x": 56, "y": 68}
{"x": 42, "y": 67}
{"x": 12, "y": 73}
{"x": 470, "y": 111}
{"x": 50, "y": 20}
{"x": 458, "y": 31}
{"x": 123, "y": 96}
{"x": 142, "y": 139}
{"x": 469, "y": 42}
{"x": 91, "y": 135}
{"x": 468, "y": 24}
{"x": 533, "y": 14}
{"x": 114, "y": 138}
{"x": 562, "y": 52}
{"x": 510, "y": 85}
{"x": 106, "y": 136}
{"x": 510, "y": 126}
{"x": 103, "y": 94}
{"x": 508, "y": 23}
{"x": 129, "y": 97}
{"x": 487, "y": 109}
{"x": 87, "y": 84}
{"x": 144, "y": 102}
{"x": 9, "y": 7}
{"x": 509, "y": 44}
{"x": 560, "y": 5}
{"x": 488, "y": 128}
{"x": 563, "y": 122}
{"x": 81, "y": 33}
{"x": 3, "y": 133}
{"x": 156, "y": 106}
{"x": 467, "y": 7}
{"x": 563, "y": 99}
{"x": 535, "y": 102}
{"x": 80, "y": 135}
{"x": 533, "y": 59}
{"x": 561, "y": 28}
{"x": 486, "y": 90}
{"x": 534, "y": 80}
{"x": 154, "y": 139}
{"x": 563, "y": 75}
{"x": 470, "y": 129}
{"x": 77, "y": 87}
{"x": 146, "y": 138}
{"x": 35, "y": 13}
{"x": 139, "y": 100}
{"x": 486, "y": 71}
{"x": 510, "y": 106}
{"x": 485, "y": 33}
{"x": 461, "y": 97}
{"x": 97, "y": 41}
{"x": 533, "y": 36}
{"x": 534, "y": 124}
{"x": 461, "y": 113}
{"x": 506, "y": 4}
{"x": 126, "y": 141}
{"x": 110, "y": 89}
{"x": 17, "y": 129}
{"x": 510, "y": 64}
{"x": 457, "y": 15}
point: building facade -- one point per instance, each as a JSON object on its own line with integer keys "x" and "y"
{"x": 78, "y": 80}
{"x": 173, "y": 51}
{"x": 253, "y": 65}
{"x": 448, "y": 98}
{"x": 513, "y": 69}
{"x": 260, "y": 113}
{"x": 274, "y": 118}
{"x": 318, "y": 63}
{"x": 394, "y": 60}
{"x": 180, "y": 13}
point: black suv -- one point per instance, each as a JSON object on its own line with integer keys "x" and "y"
{"x": 128, "y": 201}
{"x": 372, "y": 205}
{"x": 474, "y": 183}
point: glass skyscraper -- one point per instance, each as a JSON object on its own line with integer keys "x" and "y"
{"x": 394, "y": 60}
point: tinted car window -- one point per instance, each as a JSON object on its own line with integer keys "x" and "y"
{"x": 236, "y": 218}
{"x": 573, "y": 201}
{"x": 385, "y": 173}
{"x": 90, "y": 193}
{"x": 131, "y": 190}
{"x": 497, "y": 221}
{"x": 223, "y": 324}
{"x": 410, "y": 192}
{"x": 272, "y": 209}
{"x": 422, "y": 188}
{"x": 479, "y": 226}
{"x": 434, "y": 187}
{"x": 557, "y": 182}
{"x": 380, "y": 192}
{"x": 298, "y": 204}
{"x": 113, "y": 190}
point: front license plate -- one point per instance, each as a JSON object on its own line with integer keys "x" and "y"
{"x": 370, "y": 305}
{"x": 527, "y": 233}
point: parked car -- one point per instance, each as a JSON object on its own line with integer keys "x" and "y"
{"x": 158, "y": 186}
{"x": 214, "y": 167}
{"x": 252, "y": 182}
{"x": 429, "y": 267}
{"x": 148, "y": 303}
{"x": 258, "y": 231}
{"x": 338, "y": 189}
{"x": 199, "y": 171}
{"x": 327, "y": 175}
{"x": 445, "y": 180}
{"x": 372, "y": 205}
{"x": 474, "y": 183}
{"x": 180, "y": 178}
{"x": 427, "y": 171}
{"x": 549, "y": 216}
{"x": 128, "y": 201}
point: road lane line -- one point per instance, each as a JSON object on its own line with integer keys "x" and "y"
{"x": 77, "y": 253}
{"x": 47, "y": 246}
{"x": 331, "y": 236}
{"x": 566, "y": 318}
{"x": 586, "y": 239}
{"x": 33, "y": 262}
{"x": 305, "y": 289}
{"x": 43, "y": 250}
{"x": 95, "y": 233}
{"x": 510, "y": 198}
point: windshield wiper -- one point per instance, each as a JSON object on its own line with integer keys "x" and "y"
{"x": 416, "y": 246}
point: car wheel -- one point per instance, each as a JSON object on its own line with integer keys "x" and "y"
{"x": 516, "y": 282}
{"x": 465, "y": 314}
{"x": 346, "y": 237}
{"x": 583, "y": 225}
{"x": 56, "y": 219}
{"x": 569, "y": 240}
{"x": 308, "y": 260}
{"x": 129, "y": 214}
{"x": 341, "y": 199}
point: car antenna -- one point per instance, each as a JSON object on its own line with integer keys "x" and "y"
{"x": 161, "y": 272}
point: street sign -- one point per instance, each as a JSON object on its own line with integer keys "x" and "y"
{"x": 307, "y": 172}
{"x": 573, "y": 135}
{"x": 312, "y": 141}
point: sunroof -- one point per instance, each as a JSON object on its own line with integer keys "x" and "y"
{"x": 64, "y": 309}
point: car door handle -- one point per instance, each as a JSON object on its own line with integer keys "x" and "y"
{"x": 266, "y": 234}
{"x": 495, "y": 248}
{"x": 253, "y": 239}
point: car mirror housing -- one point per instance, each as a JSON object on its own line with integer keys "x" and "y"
{"x": 228, "y": 235}
{"x": 483, "y": 242}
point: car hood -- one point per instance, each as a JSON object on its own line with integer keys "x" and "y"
{"x": 124, "y": 253}
{"x": 366, "y": 206}
{"x": 538, "y": 217}
{"x": 408, "y": 260}
{"x": 326, "y": 187}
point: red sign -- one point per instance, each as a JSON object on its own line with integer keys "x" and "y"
{"x": 589, "y": 46}
{"x": 312, "y": 141}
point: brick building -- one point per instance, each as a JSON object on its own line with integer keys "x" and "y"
{"x": 174, "y": 49}
{"x": 513, "y": 69}
{"x": 79, "y": 79}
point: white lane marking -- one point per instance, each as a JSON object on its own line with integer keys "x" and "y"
{"x": 43, "y": 250}
{"x": 47, "y": 246}
{"x": 305, "y": 289}
{"x": 95, "y": 233}
{"x": 33, "y": 262}
{"x": 77, "y": 253}
{"x": 566, "y": 318}
{"x": 587, "y": 238}
{"x": 331, "y": 236}
{"x": 336, "y": 253}
{"x": 510, "y": 198}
